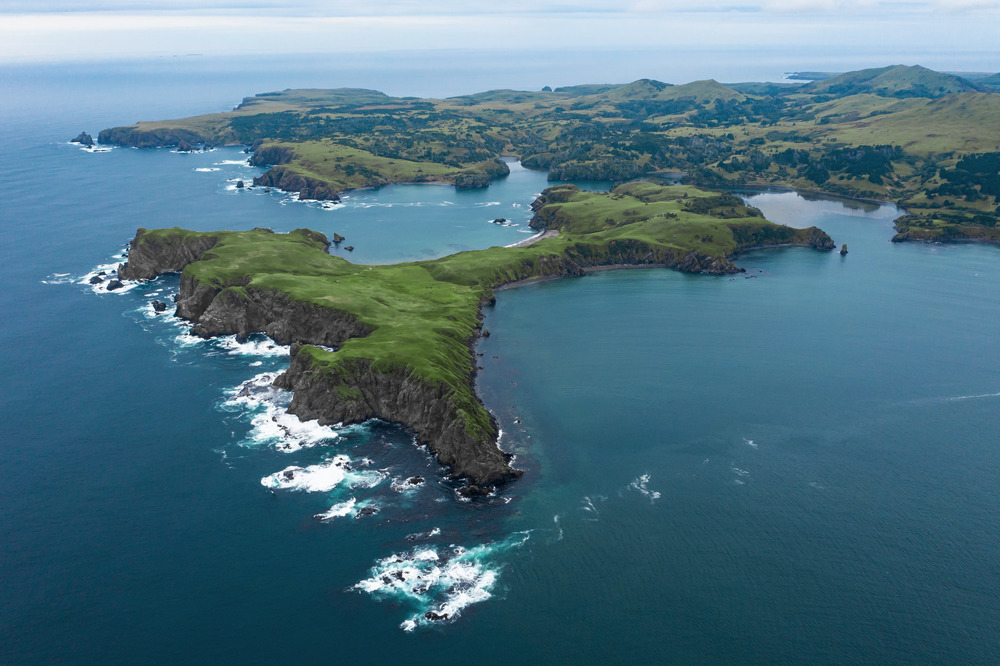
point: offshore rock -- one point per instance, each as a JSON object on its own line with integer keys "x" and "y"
{"x": 84, "y": 139}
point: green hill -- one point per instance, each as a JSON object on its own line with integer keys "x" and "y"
{"x": 991, "y": 82}
{"x": 893, "y": 81}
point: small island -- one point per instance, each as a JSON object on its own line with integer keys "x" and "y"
{"x": 402, "y": 335}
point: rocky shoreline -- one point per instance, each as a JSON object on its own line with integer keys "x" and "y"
{"x": 391, "y": 395}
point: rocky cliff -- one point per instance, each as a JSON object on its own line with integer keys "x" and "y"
{"x": 359, "y": 391}
{"x": 133, "y": 136}
{"x": 290, "y": 181}
{"x": 165, "y": 254}
{"x": 355, "y": 392}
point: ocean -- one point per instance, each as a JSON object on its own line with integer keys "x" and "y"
{"x": 800, "y": 464}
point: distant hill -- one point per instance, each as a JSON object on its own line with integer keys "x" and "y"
{"x": 708, "y": 90}
{"x": 893, "y": 81}
{"x": 991, "y": 82}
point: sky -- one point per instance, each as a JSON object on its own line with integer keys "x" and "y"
{"x": 57, "y": 30}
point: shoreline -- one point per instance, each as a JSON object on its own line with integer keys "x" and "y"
{"x": 531, "y": 240}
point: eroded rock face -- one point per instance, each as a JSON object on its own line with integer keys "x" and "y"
{"x": 84, "y": 139}
{"x": 308, "y": 188}
{"x": 146, "y": 260}
{"x": 400, "y": 397}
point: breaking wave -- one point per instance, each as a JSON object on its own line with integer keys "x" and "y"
{"x": 439, "y": 583}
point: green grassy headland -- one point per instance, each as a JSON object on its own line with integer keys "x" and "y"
{"x": 422, "y": 317}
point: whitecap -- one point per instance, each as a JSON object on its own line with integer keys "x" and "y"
{"x": 560, "y": 534}
{"x": 245, "y": 162}
{"x": 207, "y": 169}
{"x": 640, "y": 484}
{"x": 750, "y": 443}
{"x": 977, "y": 396}
{"x": 338, "y": 510}
{"x": 254, "y": 346}
{"x": 486, "y": 204}
{"x": 741, "y": 475}
{"x": 439, "y": 584}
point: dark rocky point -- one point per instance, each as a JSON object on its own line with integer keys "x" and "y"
{"x": 240, "y": 185}
{"x": 843, "y": 249}
{"x": 97, "y": 279}
{"x": 84, "y": 140}
{"x": 349, "y": 248}
{"x": 337, "y": 238}
{"x": 184, "y": 147}
{"x": 114, "y": 284}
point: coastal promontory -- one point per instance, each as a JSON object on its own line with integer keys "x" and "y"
{"x": 395, "y": 342}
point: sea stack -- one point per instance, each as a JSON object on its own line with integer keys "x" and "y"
{"x": 843, "y": 249}
{"x": 84, "y": 140}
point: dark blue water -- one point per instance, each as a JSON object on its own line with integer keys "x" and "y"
{"x": 799, "y": 466}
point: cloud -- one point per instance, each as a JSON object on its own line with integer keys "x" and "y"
{"x": 344, "y": 8}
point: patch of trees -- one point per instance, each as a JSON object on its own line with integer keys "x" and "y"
{"x": 980, "y": 170}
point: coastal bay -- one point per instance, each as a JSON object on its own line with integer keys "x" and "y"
{"x": 718, "y": 467}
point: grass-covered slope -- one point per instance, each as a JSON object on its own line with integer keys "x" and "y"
{"x": 403, "y": 333}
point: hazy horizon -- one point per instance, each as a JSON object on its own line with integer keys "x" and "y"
{"x": 104, "y": 30}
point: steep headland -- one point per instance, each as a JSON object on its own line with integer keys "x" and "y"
{"x": 403, "y": 334}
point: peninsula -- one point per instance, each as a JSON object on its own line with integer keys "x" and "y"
{"x": 396, "y": 341}
{"x": 925, "y": 140}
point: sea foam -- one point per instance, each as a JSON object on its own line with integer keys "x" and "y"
{"x": 439, "y": 582}
{"x": 641, "y": 485}
{"x": 332, "y": 473}
{"x": 271, "y": 424}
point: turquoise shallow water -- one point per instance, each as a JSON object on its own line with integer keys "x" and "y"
{"x": 798, "y": 466}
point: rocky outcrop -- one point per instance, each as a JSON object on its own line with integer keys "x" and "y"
{"x": 148, "y": 259}
{"x": 84, "y": 139}
{"x": 471, "y": 181}
{"x": 308, "y": 188}
{"x": 359, "y": 392}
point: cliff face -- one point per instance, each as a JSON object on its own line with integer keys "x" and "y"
{"x": 359, "y": 392}
{"x": 146, "y": 260}
{"x": 134, "y": 137}
{"x": 245, "y": 310}
{"x": 288, "y": 180}
{"x": 271, "y": 155}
